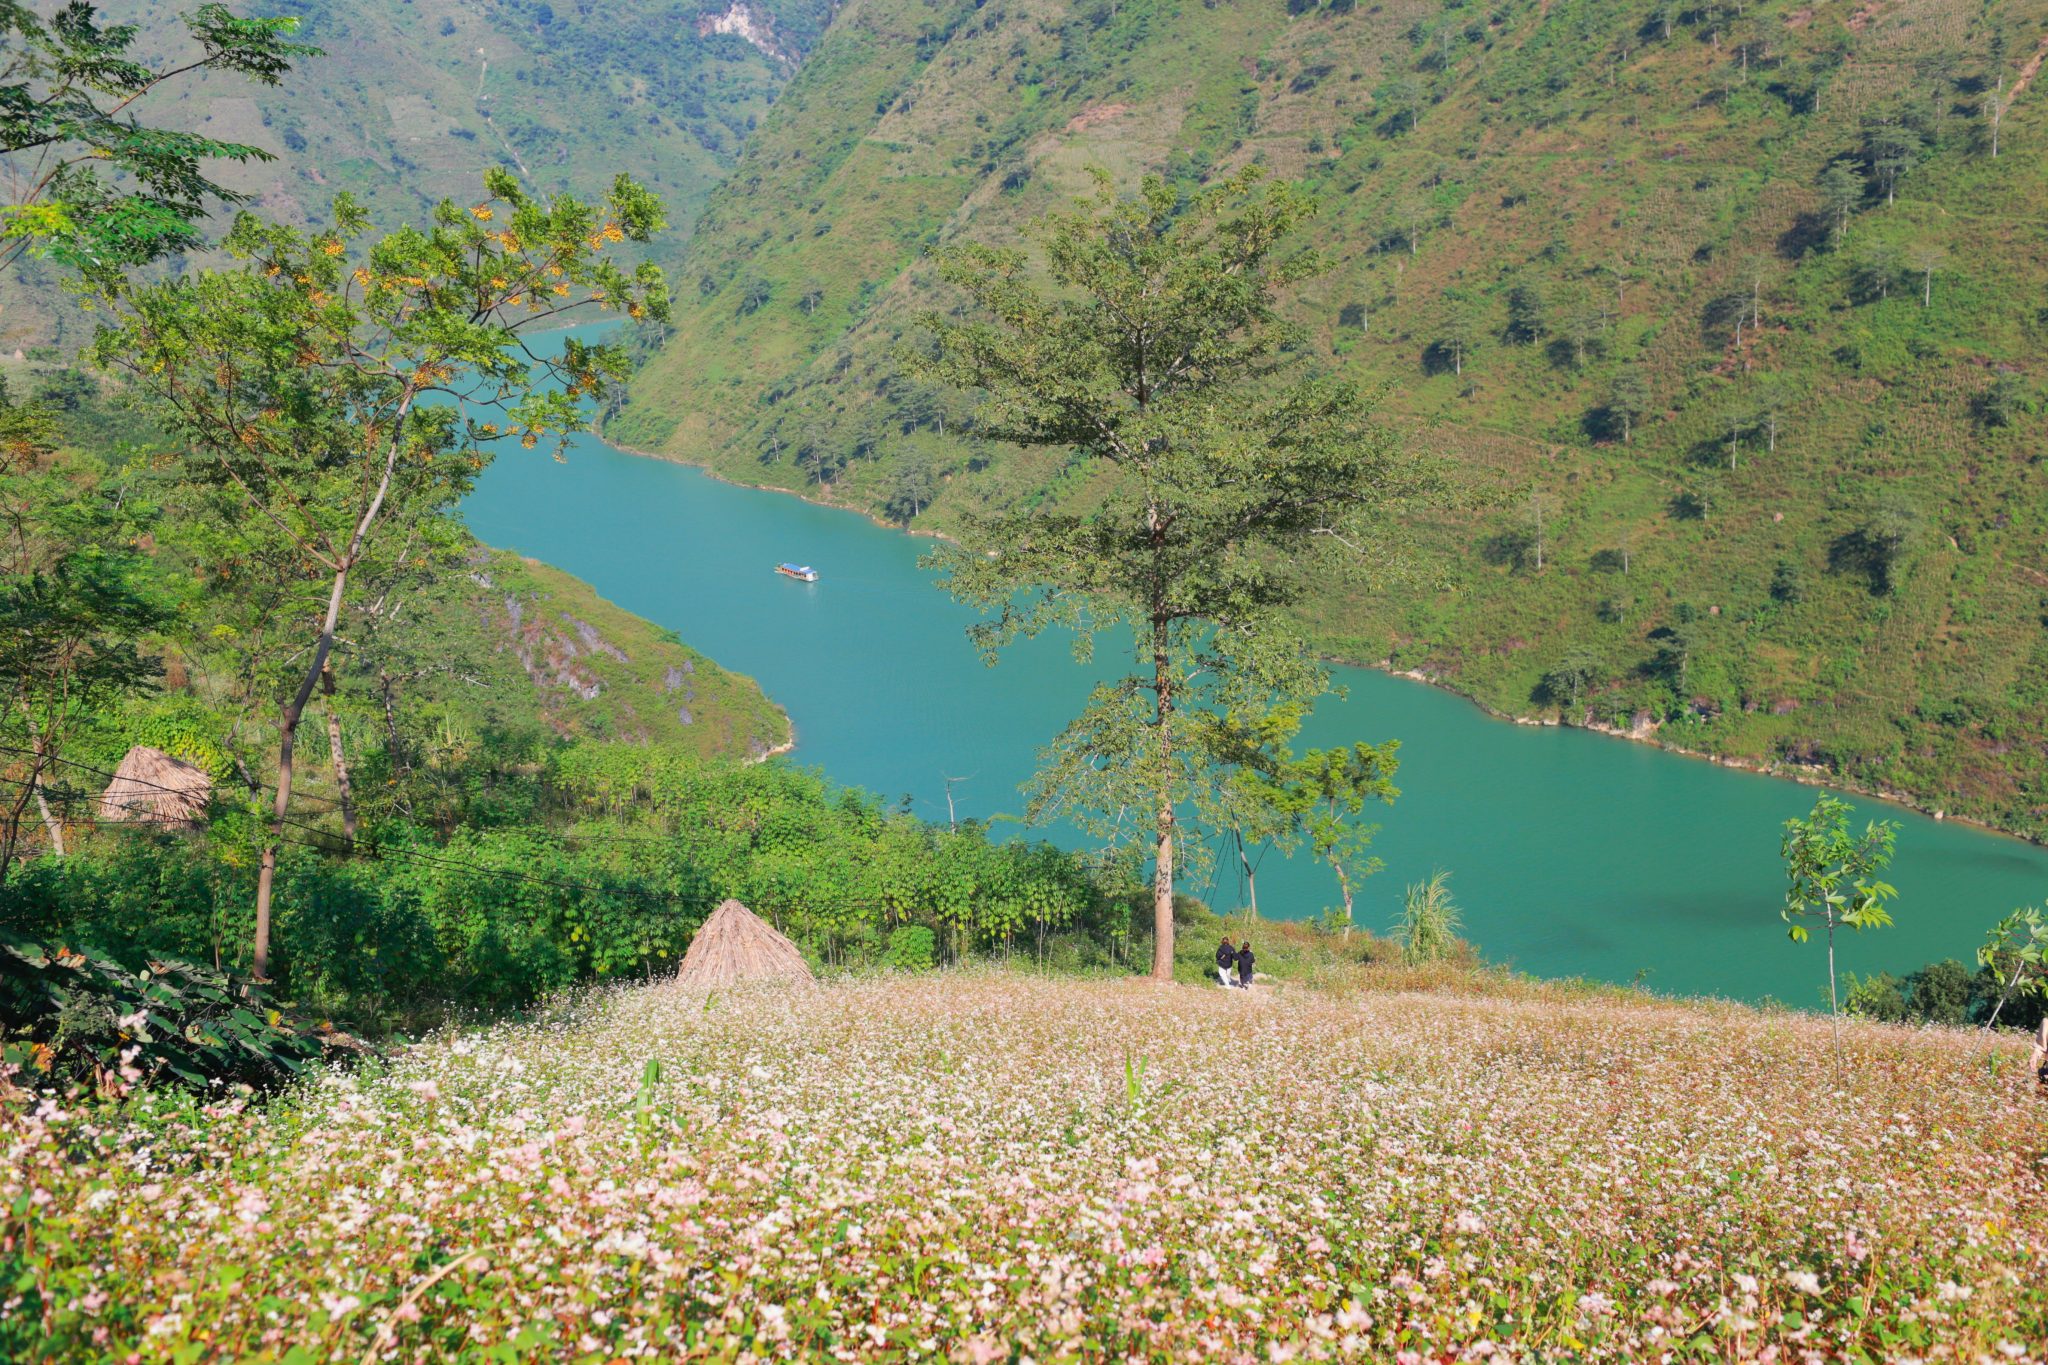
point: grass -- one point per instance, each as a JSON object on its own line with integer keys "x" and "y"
{"x": 592, "y": 670}
{"x": 983, "y": 1166}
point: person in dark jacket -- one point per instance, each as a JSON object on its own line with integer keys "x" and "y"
{"x": 1244, "y": 965}
{"x": 1226, "y": 962}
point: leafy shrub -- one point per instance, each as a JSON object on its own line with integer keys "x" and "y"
{"x": 76, "y": 1017}
{"x": 1881, "y": 996}
{"x": 911, "y": 948}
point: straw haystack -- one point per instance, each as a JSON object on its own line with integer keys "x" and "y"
{"x": 735, "y": 945}
{"x": 151, "y": 787}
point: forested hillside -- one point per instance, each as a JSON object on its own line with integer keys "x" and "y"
{"x": 415, "y": 98}
{"x": 1730, "y": 313}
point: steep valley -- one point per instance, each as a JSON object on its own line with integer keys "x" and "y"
{"x": 1727, "y": 315}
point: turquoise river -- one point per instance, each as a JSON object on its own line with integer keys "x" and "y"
{"x": 1571, "y": 853}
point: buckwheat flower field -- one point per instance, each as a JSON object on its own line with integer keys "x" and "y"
{"x": 992, "y": 1167}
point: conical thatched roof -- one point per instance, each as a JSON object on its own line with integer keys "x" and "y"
{"x": 151, "y": 787}
{"x": 736, "y": 944}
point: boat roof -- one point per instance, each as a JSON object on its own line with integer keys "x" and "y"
{"x": 800, "y": 568}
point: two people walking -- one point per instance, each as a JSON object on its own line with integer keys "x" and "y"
{"x": 1235, "y": 962}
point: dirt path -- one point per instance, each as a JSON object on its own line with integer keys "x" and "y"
{"x": 2028, "y": 72}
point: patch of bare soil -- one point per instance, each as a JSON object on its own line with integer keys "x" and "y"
{"x": 1101, "y": 113}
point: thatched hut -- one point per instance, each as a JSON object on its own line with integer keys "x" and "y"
{"x": 735, "y": 945}
{"x": 151, "y": 787}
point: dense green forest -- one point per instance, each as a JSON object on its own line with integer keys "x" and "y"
{"x": 1728, "y": 315}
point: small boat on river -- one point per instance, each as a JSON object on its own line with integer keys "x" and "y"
{"x": 803, "y": 573}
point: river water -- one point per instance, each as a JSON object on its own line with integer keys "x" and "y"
{"x": 1571, "y": 853}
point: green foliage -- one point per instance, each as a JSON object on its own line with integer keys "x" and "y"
{"x": 94, "y": 186}
{"x": 76, "y": 604}
{"x": 1152, "y": 352}
{"x": 1881, "y": 997}
{"x": 599, "y": 865}
{"x": 69, "y": 1016}
{"x": 1428, "y": 926}
{"x": 1831, "y": 876}
{"x": 2015, "y": 956}
{"x": 1567, "y": 682}
{"x": 911, "y": 948}
{"x": 304, "y": 391}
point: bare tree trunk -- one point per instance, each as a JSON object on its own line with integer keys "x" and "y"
{"x": 287, "y": 743}
{"x": 339, "y": 758}
{"x": 1162, "y": 879}
{"x": 51, "y": 826}
{"x": 1834, "y": 1002}
{"x": 1344, "y": 882}
{"x": 289, "y": 729}
{"x": 1251, "y": 876}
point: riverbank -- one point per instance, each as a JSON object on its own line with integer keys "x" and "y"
{"x": 1652, "y": 737}
{"x": 1805, "y": 775}
{"x": 1222, "y": 1176}
{"x": 1570, "y": 855}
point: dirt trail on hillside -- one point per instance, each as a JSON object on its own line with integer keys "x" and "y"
{"x": 2029, "y": 71}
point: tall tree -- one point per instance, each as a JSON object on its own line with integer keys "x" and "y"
{"x": 1926, "y": 260}
{"x": 85, "y": 180}
{"x": 1841, "y": 194}
{"x": 1890, "y": 147}
{"x": 1628, "y": 398}
{"x": 1250, "y": 798}
{"x": 303, "y": 382}
{"x": 1151, "y": 346}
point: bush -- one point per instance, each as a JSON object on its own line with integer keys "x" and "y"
{"x": 911, "y": 948}
{"x": 74, "y": 1017}
{"x": 1880, "y": 997}
{"x": 1941, "y": 992}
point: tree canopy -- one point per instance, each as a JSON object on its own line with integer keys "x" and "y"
{"x": 1146, "y": 339}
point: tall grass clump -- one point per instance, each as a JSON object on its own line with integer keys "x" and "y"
{"x": 1428, "y": 926}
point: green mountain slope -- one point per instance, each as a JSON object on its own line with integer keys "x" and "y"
{"x": 527, "y": 642}
{"x": 1769, "y": 489}
{"x": 415, "y": 98}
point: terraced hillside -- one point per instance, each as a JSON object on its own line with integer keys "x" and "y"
{"x": 1734, "y": 310}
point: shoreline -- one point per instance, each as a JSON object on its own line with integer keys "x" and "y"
{"x": 1801, "y": 774}
{"x": 1805, "y": 775}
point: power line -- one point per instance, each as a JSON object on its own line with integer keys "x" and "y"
{"x": 138, "y": 781}
{"x": 363, "y": 848}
